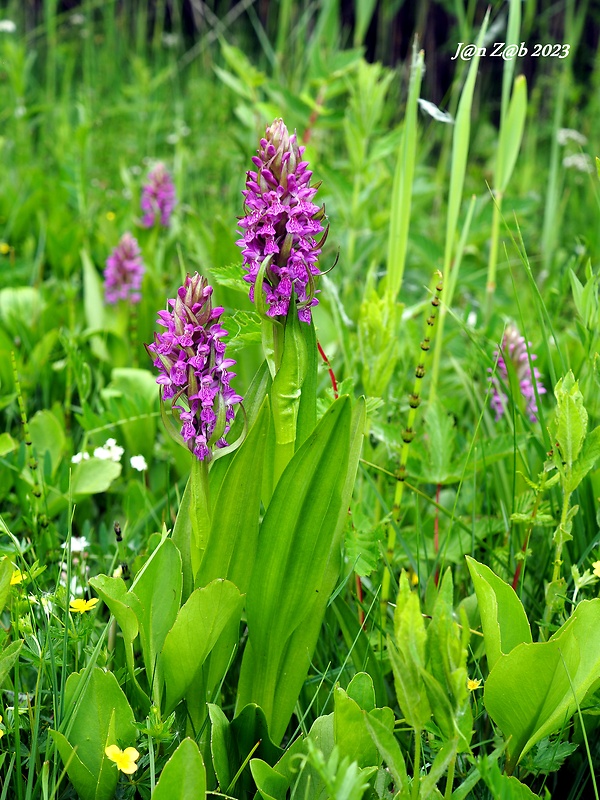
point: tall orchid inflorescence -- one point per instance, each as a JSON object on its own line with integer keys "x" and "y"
{"x": 158, "y": 197}
{"x": 124, "y": 272}
{"x": 280, "y": 225}
{"x": 514, "y": 349}
{"x": 190, "y": 355}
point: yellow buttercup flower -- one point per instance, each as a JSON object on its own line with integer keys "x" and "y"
{"x": 110, "y": 216}
{"x": 17, "y": 577}
{"x": 596, "y": 568}
{"x": 473, "y": 683}
{"x": 124, "y": 759}
{"x": 1, "y": 731}
{"x": 80, "y": 605}
{"x": 4, "y": 248}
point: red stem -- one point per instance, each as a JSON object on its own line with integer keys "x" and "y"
{"x": 331, "y": 372}
{"x": 517, "y": 575}
{"x": 360, "y": 596}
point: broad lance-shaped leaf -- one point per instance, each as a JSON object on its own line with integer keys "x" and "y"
{"x": 535, "y": 689}
{"x": 183, "y": 776}
{"x": 287, "y": 390}
{"x": 232, "y": 542}
{"x": 197, "y": 628}
{"x": 503, "y": 617}
{"x": 157, "y": 588}
{"x": 294, "y": 548}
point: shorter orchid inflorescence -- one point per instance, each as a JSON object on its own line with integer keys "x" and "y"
{"x": 158, "y": 197}
{"x": 190, "y": 355}
{"x": 124, "y": 272}
{"x": 280, "y": 225}
{"x": 514, "y": 349}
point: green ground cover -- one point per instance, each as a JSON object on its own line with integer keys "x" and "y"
{"x": 386, "y": 583}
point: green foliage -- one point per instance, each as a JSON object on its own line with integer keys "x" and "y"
{"x": 183, "y": 775}
{"x": 242, "y": 645}
{"x": 534, "y": 690}
{"x": 99, "y": 716}
{"x": 502, "y": 614}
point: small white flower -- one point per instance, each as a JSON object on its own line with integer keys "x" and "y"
{"x": 110, "y": 452}
{"x": 7, "y": 26}
{"x": 118, "y": 572}
{"x": 582, "y": 162}
{"x": 566, "y": 135}
{"x": 79, "y": 457}
{"x": 172, "y": 138}
{"x": 77, "y": 19}
{"x": 78, "y": 544}
{"x": 139, "y": 463}
{"x": 472, "y": 319}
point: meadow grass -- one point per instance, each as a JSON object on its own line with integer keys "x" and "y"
{"x": 504, "y": 203}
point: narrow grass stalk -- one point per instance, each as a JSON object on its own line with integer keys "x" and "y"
{"x": 403, "y": 182}
{"x": 460, "y": 152}
{"x": 414, "y": 400}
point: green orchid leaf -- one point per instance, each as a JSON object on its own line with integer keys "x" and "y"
{"x": 389, "y": 749}
{"x": 297, "y": 564}
{"x": 222, "y": 746}
{"x": 503, "y": 617}
{"x": 155, "y": 597}
{"x": 307, "y": 409}
{"x": 232, "y": 543}
{"x": 199, "y": 624}
{"x": 183, "y": 776}
{"x": 287, "y": 389}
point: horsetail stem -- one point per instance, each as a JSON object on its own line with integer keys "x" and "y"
{"x": 414, "y": 401}
{"x": 32, "y": 461}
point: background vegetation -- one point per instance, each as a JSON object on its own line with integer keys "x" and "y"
{"x": 497, "y": 196}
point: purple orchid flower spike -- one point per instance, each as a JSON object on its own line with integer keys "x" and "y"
{"x": 124, "y": 272}
{"x": 281, "y": 224}
{"x": 190, "y": 356}
{"x": 158, "y": 197}
{"x": 514, "y": 349}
